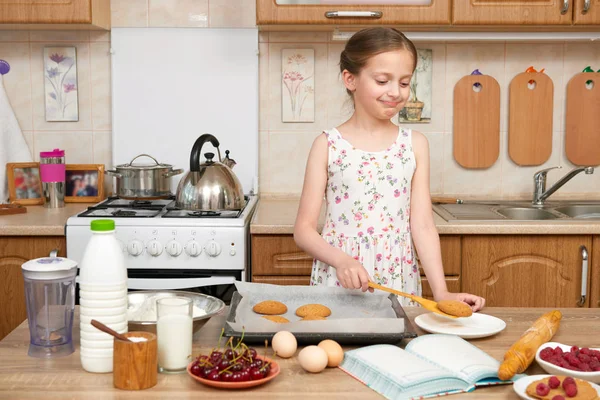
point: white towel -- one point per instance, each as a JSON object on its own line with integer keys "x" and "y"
{"x": 13, "y": 147}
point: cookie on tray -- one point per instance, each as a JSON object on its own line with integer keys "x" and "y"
{"x": 313, "y": 318}
{"x": 276, "y": 318}
{"x": 270, "y": 307}
{"x": 456, "y": 308}
{"x": 318, "y": 310}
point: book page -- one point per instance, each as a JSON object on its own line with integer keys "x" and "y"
{"x": 402, "y": 367}
{"x": 457, "y": 355}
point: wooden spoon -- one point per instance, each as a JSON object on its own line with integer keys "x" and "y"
{"x": 106, "y": 329}
{"x": 427, "y": 304}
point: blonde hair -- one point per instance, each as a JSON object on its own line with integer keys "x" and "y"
{"x": 370, "y": 42}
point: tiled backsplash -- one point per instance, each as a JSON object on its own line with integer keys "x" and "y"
{"x": 284, "y": 146}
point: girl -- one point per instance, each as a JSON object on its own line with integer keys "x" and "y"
{"x": 375, "y": 177}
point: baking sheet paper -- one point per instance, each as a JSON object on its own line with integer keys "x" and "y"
{"x": 351, "y": 311}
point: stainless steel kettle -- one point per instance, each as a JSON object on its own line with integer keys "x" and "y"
{"x": 211, "y": 186}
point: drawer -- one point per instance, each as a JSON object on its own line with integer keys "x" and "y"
{"x": 452, "y": 282}
{"x": 282, "y": 280}
{"x": 279, "y": 255}
{"x": 451, "y": 255}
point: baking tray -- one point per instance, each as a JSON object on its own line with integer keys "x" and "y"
{"x": 312, "y": 337}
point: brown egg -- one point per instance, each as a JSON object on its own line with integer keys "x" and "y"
{"x": 312, "y": 359}
{"x": 284, "y": 343}
{"x": 334, "y": 351}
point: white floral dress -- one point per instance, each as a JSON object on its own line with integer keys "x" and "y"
{"x": 368, "y": 212}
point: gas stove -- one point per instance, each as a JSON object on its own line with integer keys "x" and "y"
{"x": 169, "y": 248}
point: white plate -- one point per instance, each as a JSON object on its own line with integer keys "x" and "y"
{"x": 520, "y": 386}
{"x": 556, "y": 370}
{"x": 476, "y": 326}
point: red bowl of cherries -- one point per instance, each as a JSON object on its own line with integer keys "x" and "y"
{"x": 238, "y": 367}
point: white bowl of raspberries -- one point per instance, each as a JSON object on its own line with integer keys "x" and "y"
{"x": 578, "y": 362}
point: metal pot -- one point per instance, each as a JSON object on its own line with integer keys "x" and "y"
{"x": 211, "y": 186}
{"x": 144, "y": 181}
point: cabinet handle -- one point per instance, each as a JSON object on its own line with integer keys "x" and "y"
{"x": 353, "y": 14}
{"x": 584, "y": 273}
{"x": 586, "y": 6}
{"x": 53, "y": 253}
{"x": 565, "y": 7}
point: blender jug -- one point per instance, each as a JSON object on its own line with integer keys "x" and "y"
{"x": 50, "y": 298}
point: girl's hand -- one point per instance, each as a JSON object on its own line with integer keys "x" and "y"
{"x": 352, "y": 275}
{"x": 476, "y": 302}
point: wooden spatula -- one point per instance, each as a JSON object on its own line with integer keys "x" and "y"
{"x": 427, "y": 304}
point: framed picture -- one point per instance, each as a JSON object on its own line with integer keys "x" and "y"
{"x": 84, "y": 183}
{"x": 60, "y": 83}
{"x": 24, "y": 183}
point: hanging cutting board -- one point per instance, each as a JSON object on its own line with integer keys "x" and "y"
{"x": 476, "y": 130}
{"x": 530, "y": 118}
{"x": 582, "y": 133}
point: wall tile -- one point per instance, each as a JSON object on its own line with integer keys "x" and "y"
{"x": 102, "y": 148}
{"x": 264, "y": 167}
{"x": 264, "y": 82}
{"x": 586, "y": 185}
{"x": 464, "y": 183}
{"x": 436, "y": 156}
{"x": 100, "y": 85}
{"x": 83, "y": 83}
{"x": 129, "y": 13}
{"x": 549, "y": 56}
{"x": 461, "y": 60}
{"x": 339, "y": 104}
{"x": 232, "y": 13}
{"x": 288, "y": 153}
{"x": 29, "y": 139}
{"x": 275, "y": 87}
{"x": 77, "y": 145}
{"x": 299, "y": 37}
{"x": 17, "y": 82}
{"x": 180, "y": 13}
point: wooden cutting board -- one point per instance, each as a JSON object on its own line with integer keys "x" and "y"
{"x": 582, "y": 131}
{"x": 476, "y": 131}
{"x": 530, "y": 119}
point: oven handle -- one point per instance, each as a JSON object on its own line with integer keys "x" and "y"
{"x": 179, "y": 283}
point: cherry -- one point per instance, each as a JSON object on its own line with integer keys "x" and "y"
{"x": 213, "y": 376}
{"x": 250, "y": 353}
{"x": 229, "y": 354}
{"x": 226, "y": 376}
{"x": 245, "y": 375}
{"x": 196, "y": 370}
{"x": 256, "y": 374}
{"x": 205, "y": 371}
{"x": 236, "y": 377}
{"x": 223, "y": 364}
{"x": 237, "y": 367}
{"x": 216, "y": 357}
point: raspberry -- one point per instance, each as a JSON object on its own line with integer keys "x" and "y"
{"x": 571, "y": 390}
{"x": 558, "y": 397}
{"x": 574, "y": 349}
{"x": 585, "y": 350}
{"x": 553, "y": 382}
{"x": 558, "y": 350}
{"x": 546, "y": 353}
{"x": 584, "y": 357}
{"x": 596, "y": 368}
{"x": 568, "y": 381}
{"x": 542, "y": 389}
{"x": 585, "y": 367}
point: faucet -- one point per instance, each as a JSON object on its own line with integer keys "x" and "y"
{"x": 539, "y": 183}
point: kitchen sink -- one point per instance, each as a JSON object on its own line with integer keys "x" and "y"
{"x": 526, "y": 214}
{"x": 581, "y": 211}
{"x": 518, "y": 211}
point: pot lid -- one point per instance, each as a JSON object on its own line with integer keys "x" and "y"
{"x": 153, "y": 164}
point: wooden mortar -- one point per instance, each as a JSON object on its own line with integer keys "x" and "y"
{"x": 135, "y": 364}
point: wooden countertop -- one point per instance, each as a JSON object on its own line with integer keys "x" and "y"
{"x": 40, "y": 221}
{"x": 24, "y": 377}
{"x": 278, "y": 215}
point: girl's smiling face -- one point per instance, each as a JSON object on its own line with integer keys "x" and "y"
{"x": 383, "y": 86}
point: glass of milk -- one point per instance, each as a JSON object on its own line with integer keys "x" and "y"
{"x": 174, "y": 333}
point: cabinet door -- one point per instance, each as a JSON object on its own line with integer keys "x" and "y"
{"x": 517, "y": 12}
{"x": 594, "y": 265}
{"x": 279, "y": 255}
{"x": 277, "y": 12}
{"x": 450, "y": 248}
{"x": 282, "y": 280}
{"x": 586, "y": 12}
{"x": 14, "y": 251}
{"x": 84, "y": 12}
{"x": 525, "y": 271}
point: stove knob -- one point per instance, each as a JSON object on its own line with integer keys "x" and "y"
{"x": 174, "y": 248}
{"x": 193, "y": 249}
{"x": 135, "y": 248}
{"x": 213, "y": 248}
{"x": 154, "y": 248}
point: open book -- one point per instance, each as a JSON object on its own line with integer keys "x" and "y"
{"x": 430, "y": 366}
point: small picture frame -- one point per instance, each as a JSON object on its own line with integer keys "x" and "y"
{"x": 84, "y": 183}
{"x": 24, "y": 183}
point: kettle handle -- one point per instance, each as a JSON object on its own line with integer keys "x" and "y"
{"x": 196, "y": 150}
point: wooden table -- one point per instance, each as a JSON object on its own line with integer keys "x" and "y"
{"x": 23, "y": 377}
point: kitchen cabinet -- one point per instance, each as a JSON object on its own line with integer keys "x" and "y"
{"x": 586, "y": 12}
{"x": 14, "y": 251}
{"x": 275, "y": 12}
{"x": 594, "y": 265}
{"x": 55, "y": 14}
{"x": 277, "y": 260}
{"x": 525, "y": 270}
{"x": 518, "y": 12}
